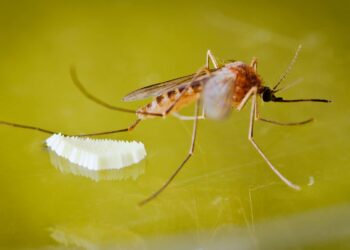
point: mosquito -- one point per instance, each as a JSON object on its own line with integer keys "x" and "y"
{"x": 215, "y": 91}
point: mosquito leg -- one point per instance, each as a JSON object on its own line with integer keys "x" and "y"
{"x": 175, "y": 102}
{"x": 254, "y": 64}
{"x": 251, "y": 139}
{"x": 246, "y": 98}
{"x": 87, "y": 94}
{"x": 190, "y": 153}
{"x": 199, "y": 72}
{"x": 286, "y": 123}
{"x": 257, "y": 117}
{"x": 16, "y": 125}
{"x": 203, "y": 113}
{"x": 212, "y": 58}
{"x": 46, "y": 131}
{"x": 131, "y": 127}
{"x": 187, "y": 118}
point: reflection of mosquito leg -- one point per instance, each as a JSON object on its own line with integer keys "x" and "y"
{"x": 82, "y": 89}
{"x": 190, "y": 153}
{"x": 250, "y": 136}
{"x": 257, "y": 117}
{"x": 212, "y": 58}
{"x": 131, "y": 127}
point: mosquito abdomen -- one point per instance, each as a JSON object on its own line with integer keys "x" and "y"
{"x": 162, "y": 103}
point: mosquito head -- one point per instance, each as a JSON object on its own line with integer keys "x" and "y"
{"x": 268, "y": 95}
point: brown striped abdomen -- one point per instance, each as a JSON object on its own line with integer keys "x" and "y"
{"x": 162, "y": 103}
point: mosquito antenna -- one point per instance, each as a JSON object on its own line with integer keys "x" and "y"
{"x": 79, "y": 85}
{"x": 288, "y": 86}
{"x": 284, "y": 75}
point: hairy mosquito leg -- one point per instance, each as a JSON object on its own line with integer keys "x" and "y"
{"x": 251, "y": 139}
{"x": 190, "y": 153}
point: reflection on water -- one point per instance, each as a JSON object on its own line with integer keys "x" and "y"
{"x": 296, "y": 231}
{"x": 65, "y": 166}
{"x": 96, "y": 237}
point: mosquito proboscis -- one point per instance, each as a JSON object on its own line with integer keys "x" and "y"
{"x": 215, "y": 91}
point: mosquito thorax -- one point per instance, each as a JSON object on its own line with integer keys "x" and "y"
{"x": 246, "y": 78}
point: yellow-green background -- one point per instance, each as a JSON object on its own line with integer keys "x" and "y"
{"x": 226, "y": 197}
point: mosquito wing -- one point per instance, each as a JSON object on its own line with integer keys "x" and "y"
{"x": 217, "y": 94}
{"x": 163, "y": 87}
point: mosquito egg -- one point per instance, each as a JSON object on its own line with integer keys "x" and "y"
{"x": 97, "y": 154}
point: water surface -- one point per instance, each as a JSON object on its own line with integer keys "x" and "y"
{"x": 226, "y": 197}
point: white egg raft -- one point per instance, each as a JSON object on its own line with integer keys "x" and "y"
{"x": 96, "y": 154}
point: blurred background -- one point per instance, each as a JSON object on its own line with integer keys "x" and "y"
{"x": 226, "y": 197}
